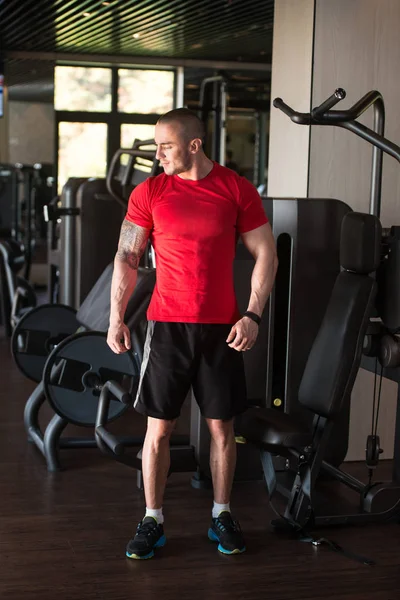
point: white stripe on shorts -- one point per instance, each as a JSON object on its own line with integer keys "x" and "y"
{"x": 146, "y": 356}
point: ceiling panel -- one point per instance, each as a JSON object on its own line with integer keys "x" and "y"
{"x": 200, "y": 29}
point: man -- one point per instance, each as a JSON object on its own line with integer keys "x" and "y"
{"x": 193, "y": 214}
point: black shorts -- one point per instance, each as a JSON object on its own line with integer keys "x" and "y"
{"x": 178, "y": 356}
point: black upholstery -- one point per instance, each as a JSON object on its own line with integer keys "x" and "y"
{"x": 360, "y": 243}
{"x": 94, "y": 313}
{"x": 271, "y": 429}
{"x": 335, "y": 356}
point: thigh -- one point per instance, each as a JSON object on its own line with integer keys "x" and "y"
{"x": 219, "y": 384}
{"x": 167, "y": 370}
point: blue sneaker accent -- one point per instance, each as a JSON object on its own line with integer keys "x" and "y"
{"x": 161, "y": 542}
{"x": 149, "y": 535}
{"x": 227, "y": 533}
{"x": 212, "y": 536}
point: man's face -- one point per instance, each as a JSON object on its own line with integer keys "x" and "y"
{"x": 172, "y": 149}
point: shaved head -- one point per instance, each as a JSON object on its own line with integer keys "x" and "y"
{"x": 179, "y": 139}
{"x": 191, "y": 127}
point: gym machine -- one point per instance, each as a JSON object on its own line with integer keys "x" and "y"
{"x": 8, "y": 190}
{"x": 19, "y": 190}
{"x": 17, "y": 296}
{"x": 289, "y": 326}
{"x": 214, "y": 113}
{"x": 20, "y": 186}
{"x": 213, "y": 103}
{"x": 57, "y": 334}
{"x": 84, "y": 224}
{"x": 313, "y": 259}
{"x": 82, "y": 237}
{"x": 363, "y": 316}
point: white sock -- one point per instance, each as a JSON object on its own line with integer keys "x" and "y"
{"x": 218, "y": 508}
{"x": 156, "y": 513}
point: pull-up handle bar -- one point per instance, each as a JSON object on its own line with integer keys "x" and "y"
{"x": 323, "y": 115}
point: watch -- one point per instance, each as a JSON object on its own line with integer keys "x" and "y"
{"x": 252, "y": 316}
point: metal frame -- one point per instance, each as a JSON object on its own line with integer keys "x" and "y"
{"x": 132, "y": 61}
{"x": 347, "y": 119}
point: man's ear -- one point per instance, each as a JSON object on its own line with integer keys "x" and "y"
{"x": 195, "y": 145}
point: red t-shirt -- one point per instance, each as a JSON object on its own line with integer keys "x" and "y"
{"x": 194, "y": 229}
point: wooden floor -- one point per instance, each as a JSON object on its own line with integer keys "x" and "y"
{"x": 63, "y": 535}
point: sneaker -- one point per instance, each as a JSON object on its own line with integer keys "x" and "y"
{"x": 226, "y": 531}
{"x": 149, "y": 535}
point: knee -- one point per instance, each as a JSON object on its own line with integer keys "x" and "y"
{"x": 222, "y": 432}
{"x": 159, "y": 431}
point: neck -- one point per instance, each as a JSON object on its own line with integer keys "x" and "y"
{"x": 200, "y": 168}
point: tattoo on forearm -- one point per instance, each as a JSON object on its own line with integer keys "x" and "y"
{"x": 132, "y": 243}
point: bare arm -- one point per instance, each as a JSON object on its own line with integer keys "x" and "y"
{"x": 261, "y": 244}
{"x": 132, "y": 244}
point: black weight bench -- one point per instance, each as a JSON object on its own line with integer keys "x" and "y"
{"x": 326, "y": 384}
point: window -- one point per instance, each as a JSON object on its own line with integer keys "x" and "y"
{"x": 145, "y": 92}
{"x": 91, "y": 111}
{"x": 82, "y": 150}
{"x": 82, "y": 89}
{"x": 131, "y": 132}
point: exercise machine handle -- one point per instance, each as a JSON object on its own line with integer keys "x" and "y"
{"x": 347, "y": 119}
{"x": 111, "y": 390}
{"x": 323, "y": 115}
{"x": 296, "y": 117}
{"x": 336, "y": 97}
{"x": 109, "y": 440}
{"x": 316, "y": 114}
{"x": 118, "y": 392}
{"x": 113, "y": 171}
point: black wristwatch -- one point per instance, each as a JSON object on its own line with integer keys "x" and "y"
{"x": 252, "y": 316}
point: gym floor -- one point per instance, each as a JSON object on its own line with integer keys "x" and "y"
{"x": 63, "y": 535}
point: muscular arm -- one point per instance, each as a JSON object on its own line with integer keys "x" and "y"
{"x": 132, "y": 244}
{"x": 261, "y": 245}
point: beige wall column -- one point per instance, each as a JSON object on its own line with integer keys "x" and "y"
{"x": 292, "y": 60}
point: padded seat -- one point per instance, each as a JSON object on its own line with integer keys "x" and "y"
{"x": 273, "y": 430}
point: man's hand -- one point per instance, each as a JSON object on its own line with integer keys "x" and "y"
{"x": 119, "y": 338}
{"x": 243, "y": 335}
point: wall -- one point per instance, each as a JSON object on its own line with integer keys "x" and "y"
{"x": 354, "y": 44}
{"x": 31, "y": 132}
{"x": 291, "y": 80}
{"x": 357, "y": 47}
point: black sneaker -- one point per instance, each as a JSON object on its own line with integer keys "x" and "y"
{"x": 149, "y": 535}
{"x": 226, "y": 531}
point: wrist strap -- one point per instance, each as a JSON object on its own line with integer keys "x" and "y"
{"x": 252, "y": 316}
